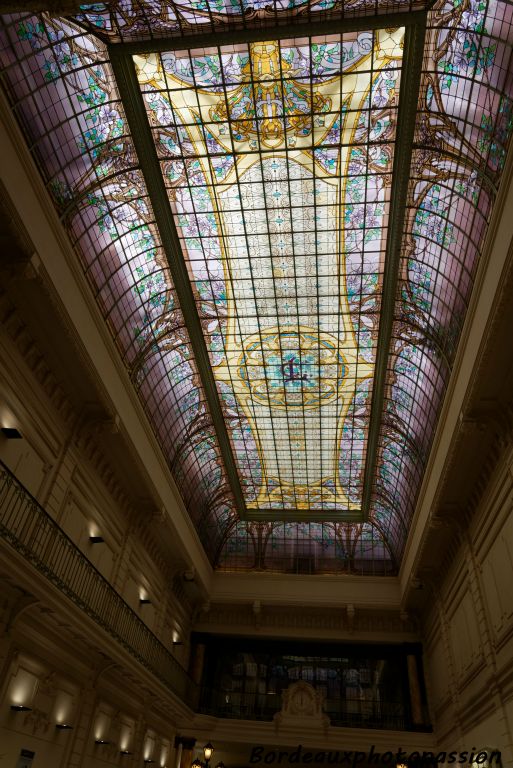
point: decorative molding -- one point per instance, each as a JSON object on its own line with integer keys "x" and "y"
{"x": 33, "y": 358}
{"x": 37, "y": 721}
{"x": 350, "y": 610}
{"x": 257, "y": 612}
{"x": 350, "y": 621}
{"x": 76, "y": 651}
{"x": 87, "y": 431}
{"x": 302, "y": 707}
{"x": 95, "y": 421}
{"x": 17, "y": 246}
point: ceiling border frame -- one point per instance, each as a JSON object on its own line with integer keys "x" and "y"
{"x": 281, "y": 31}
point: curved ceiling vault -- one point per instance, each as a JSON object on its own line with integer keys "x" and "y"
{"x": 279, "y": 207}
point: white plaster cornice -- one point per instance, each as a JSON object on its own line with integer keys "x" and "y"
{"x": 250, "y": 732}
{"x": 316, "y": 590}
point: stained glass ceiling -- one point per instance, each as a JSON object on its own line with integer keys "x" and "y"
{"x": 281, "y": 225}
{"x": 277, "y": 161}
{"x": 133, "y": 21}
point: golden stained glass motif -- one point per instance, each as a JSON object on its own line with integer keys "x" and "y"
{"x": 281, "y": 201}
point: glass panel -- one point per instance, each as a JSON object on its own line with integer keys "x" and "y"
{"x": 463, "y": 127}
{"x": 277, "y": 159}
{"x": 217, "y": 139}
{"x": 65, "y": 97}
{"x": 128, "y": 21}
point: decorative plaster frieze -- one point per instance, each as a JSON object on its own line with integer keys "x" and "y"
{"x": 302, "y": 707}
{"x": 86, "y": 431}
{"x": 349, "y": 620}
{"x": 37, "y": 722}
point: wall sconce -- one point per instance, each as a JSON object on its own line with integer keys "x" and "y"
{"x": 11, "y": 433}
{"x": 149, "y": 760}
{"x": 22, "y": 691}
{"x": 64, "y": 727}
{"x": 96, "y": 539}
{"x": 125, "y": 752}
{"x": 101, "y": 741}
{"x": 144, "y": 601}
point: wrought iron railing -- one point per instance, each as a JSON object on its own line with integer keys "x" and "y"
{"x": 26, "y": 527}
{"x": 348, "y": 713}
{"x": 29, "y": 530}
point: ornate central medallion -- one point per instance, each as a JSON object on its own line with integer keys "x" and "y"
{"x": 292, "y": 369}
{"x": 270, "y": 103}
{"x": 278, "y": 156}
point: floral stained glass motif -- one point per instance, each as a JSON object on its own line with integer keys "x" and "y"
{"x": 59, "y": 80}
{"x": 277, "y": 158}
{"x": 464, "y": 124}
{"x": 66, "y": 97}
{"x": 131, "y": 20}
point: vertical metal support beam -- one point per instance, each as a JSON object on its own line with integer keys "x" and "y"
{"x": 124, "y": 71}
{"x": 406, "y": 116}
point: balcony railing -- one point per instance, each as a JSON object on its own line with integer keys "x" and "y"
{"x": 31, "y": 532}
{"x": 348, "y": 713}
{"x": 28, "y": 529}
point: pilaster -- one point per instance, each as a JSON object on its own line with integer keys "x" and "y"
{"x": 74, "y": 756}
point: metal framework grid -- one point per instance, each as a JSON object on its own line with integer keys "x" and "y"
{"x": 60, "y": 86}
{"x": 121, "y": 57}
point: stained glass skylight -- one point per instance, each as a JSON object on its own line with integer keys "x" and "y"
{"x": 122, "y": 21}
{"x": 288, "y": 320}
{"x": 277, "y": 158}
